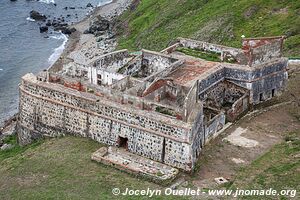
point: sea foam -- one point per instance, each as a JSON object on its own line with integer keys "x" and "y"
{"x": 59, "y": 50}
{"x": 47, "y": 1}
{"x": 104, "y": 3}
{"x": 30, "y": 19}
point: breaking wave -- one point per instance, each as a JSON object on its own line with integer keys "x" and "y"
{"x": 59, "y": 50}
{"x": 104, "y": 3}
{"x": 47, "y": 1}
{"x": 30, "y": 19}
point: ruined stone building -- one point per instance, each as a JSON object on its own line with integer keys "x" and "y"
{"x": 159, "y": 105}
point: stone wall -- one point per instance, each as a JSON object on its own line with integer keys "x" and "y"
{"x": 52, "y": 110}
{"x": 238, "y": 108}
{"x": 111, "y": 61}
{"x": 125, "y": 84}
{"x": 156, "y": 61}
{"x": 235, "y": 53}
{"x": 189, "y": 104}
{"x": 213, "y": 126}
{"x": 261, "y": 80}
{"x": 222, "y": 93}
{"x": 262, "y": 50}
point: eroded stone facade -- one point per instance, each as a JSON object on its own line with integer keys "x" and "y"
{"x": 161, "y": 105}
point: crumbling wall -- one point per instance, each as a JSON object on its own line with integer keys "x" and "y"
{"x": 213, "y": 126}
{"x": 52, "y": 110}
{"x": 238, "y": 108}
{"x": 112, "y": 61}
{"x": 150, "y": 63}
{"x": 198, "y": 136}
{"x": 133, "y": 66}
{"x": 224, "y": 92}
{"x": 126, "y": 83}
{"x": 210, "y": 80}
{"x": 262, "y": 50}
{"x": 75, "y": 70}
{"x": 178, "y": 154}
{"x": 157, "y": 61}
{"x": 165, "y": 72}
{"x": 234, "y": 53}
{"x": 262, "y": 80}
{"x": 189, "y": 104}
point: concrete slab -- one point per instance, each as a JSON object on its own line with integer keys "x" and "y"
{"x": 134, "y": 164}
{"x": 237, "y": 161}
{"x": 235, "y": 138}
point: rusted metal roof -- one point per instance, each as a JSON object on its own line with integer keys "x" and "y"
{"x": 190, "y": 71}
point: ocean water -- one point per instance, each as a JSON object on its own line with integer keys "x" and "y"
{"x": 24, "y": 49}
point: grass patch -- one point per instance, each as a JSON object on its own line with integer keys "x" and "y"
{"x": 210, "y": 56}
{"x": 16, "y": 150}
{"x": 165, "y": 111}
{"x": 156, "y": 23}
{"x": 61, "y": 168}
{"x": 277, "y": 169}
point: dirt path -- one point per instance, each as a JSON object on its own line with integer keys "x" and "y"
{"x": 249, "y": 138}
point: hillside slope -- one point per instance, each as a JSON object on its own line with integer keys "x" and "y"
{"x": 153, "y": 24}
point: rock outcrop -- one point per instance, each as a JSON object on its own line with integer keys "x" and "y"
{"x": 37, "y": 16}
{"x": 98, "y": 25}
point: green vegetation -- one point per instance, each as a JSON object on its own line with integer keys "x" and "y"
{"x": 16, "y": 149}
{"x": 61, "y": 168}
{"x": 277, "y": 169}
{"x": 210, "y": 56}
{"x": 165, "y": 111}
{"x": 155, "y": 23}
{"x": 90, "y": 90}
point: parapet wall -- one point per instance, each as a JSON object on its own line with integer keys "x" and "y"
{"x": 113, "y": 60}
{"x": 237, "y": 54}
{"x": 52, "y": 110}
{"x": 262, "y": 50}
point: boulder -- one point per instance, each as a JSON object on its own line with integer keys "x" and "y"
{"x": 86, "y": 31}
{"x": 89, "y": 5}
{"x": 37, "y": 16}
{"x": 67, "y": 30}
{"x": 9, "y": 130}
{"x": 98, "y": 25}
{"x": 43, "y": 29}
{"x": 48, "y": 23}
{"x": 6, "y": 147}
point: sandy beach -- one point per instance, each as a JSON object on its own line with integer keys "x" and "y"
{"x": 82, "y": 48}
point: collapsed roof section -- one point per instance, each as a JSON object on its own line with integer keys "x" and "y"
{"x": 171, "y": 78}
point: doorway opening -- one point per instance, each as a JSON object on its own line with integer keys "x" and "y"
{"x": 273, "y": 93}
{"x": 123, "y": 142}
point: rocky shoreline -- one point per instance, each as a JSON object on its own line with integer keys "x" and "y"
{"x": 89, "y": 38}
{"x": 94, "y": 35}
{"x": 8, "y": 129}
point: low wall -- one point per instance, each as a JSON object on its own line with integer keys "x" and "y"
{"x": 113, "y": 60}
{"x": 213, "y": 126}
{"x": 235, "y": 53}
{"x": 238, "y": 108}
